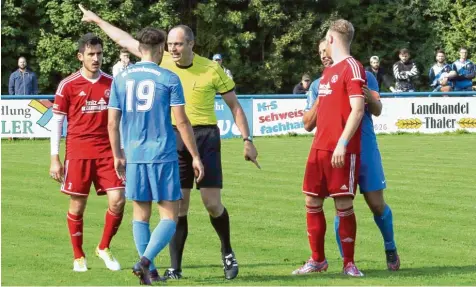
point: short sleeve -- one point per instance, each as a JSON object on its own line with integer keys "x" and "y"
{"x": 372, "y": 82}
{"x": 114, "y": 102}
{"x": 61, "y": 104}
{"x": 312, "y": 94}
{"x": 470, "y": 67}
{"x": 454, "y": 67}
{"x": 354, "y": 78}
{"x": 176, "y": 91}
{"x": 222, "y": 83}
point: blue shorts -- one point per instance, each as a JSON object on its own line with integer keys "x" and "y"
{"x": 153, "y": 181}
{"x": 371, "y": 176}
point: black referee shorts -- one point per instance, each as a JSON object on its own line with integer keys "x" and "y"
{"x": 209, "y": 147}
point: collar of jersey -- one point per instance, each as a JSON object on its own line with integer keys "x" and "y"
{"x": 146, "y": 62}
{"x": 184, "y": 67}
{"x": 91, "y": 80}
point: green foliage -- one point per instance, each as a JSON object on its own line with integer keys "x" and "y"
{"x": 455, "y": 24}
{"x": 267, "y": 44}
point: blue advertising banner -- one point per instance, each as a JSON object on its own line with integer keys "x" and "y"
{"x": 228, "y": 128}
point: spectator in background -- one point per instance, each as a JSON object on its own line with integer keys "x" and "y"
{"x": 405, "y": 71}
{"x": 465, "y": 72}
{"x": 218, "y": 58}
{"x": 439, "y": 74}
{"x": 123, "y": 63}
{"x": 303, "y": 86}
{"x": 379, "y": 73}
{"x": 23, "y": 81}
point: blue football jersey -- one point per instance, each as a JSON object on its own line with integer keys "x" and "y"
{"x": 368, "y": 139}
{"x": 144, "y": 93}
{"x": 435, "y": 73}
{"x": 463, "y": 69}
{"x": 311, "y": 95}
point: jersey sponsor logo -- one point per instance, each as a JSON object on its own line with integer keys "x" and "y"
{"x": 94, "y": 106}
{"x": 82, "y": 94}
{"x": 334, "y": 78}
{"x": 324, "y": 89}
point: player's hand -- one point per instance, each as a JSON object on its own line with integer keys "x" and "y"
{"x": 338, "y": 157}
{"x": 444, "y": 81}
{"x": 120, "y": 167}
{"x": 89, "y": 16}
{"x": 251, "y": 153}
{"x": 367, "y": 93}
{"x": 57, "y": 171}
{"x": 198, "y": 169}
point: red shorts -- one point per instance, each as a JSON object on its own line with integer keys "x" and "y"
{"x": 80, "y": 173}
{"x": 322, "y": 180}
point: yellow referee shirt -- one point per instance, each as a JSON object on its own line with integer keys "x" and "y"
{"x": 201, "y": 82}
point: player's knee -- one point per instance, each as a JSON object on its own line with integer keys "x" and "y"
{"x": 214, "y": 208}
{"x": 343, "y": 202}
{"x": 183, "y": 208}
{"x": 375, "y": 202}
{"x": 377, "y": 207}
{"x": 77, "y": 205}
{"x": 313, "y": 201}
{"x": 116, "y": 205}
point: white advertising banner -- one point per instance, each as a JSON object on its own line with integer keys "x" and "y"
{"x": 426, "y": 115}
{"x": 277, "y": 117}
{"x": 26, "y": 118}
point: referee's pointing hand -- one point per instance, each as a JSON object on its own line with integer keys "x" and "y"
{"x": 251, "y": 153}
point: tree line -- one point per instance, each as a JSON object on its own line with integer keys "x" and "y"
{"x": 267, "y": 44}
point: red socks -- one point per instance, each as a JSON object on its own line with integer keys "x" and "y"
{"x": 75, "y": 226}
{"x": 347, "y": 233}
{"x": 112, "y": 223}
{"x": 316, "y": 231}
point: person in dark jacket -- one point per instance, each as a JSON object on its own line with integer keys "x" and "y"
{"x": 379, "y": 73}
{"x": 23, "y": 81}
{"x": 405, "y": 72}
{"x": 303, "y": 86}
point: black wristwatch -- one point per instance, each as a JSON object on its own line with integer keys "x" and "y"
{"x": 250, "y": 139}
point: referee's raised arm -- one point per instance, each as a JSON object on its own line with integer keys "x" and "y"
{"x": 119, "y": 36}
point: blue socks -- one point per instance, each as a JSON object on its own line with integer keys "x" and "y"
{"x": 336, "y": 229}
{"x": 159, "y": 238}
{"x": 385, "y": 224}
{"x": 141, "y": 232}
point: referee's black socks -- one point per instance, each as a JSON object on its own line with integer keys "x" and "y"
{"x": 177, "y": 243}
{"x": 222, "y": 227}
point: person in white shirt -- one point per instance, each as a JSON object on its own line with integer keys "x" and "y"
{"x": 218, "y": 58}
{"x": 123, "y": 63}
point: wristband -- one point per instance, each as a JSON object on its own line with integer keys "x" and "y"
{"x": 249, "y": 139}
{"x": 343, "y": 141}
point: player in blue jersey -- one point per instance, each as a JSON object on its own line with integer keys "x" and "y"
{"x": 371, "y": 179}
{"x": 465, "y": 72}
{"x": 141, "y": 100}
{"x": 440, "y": 73}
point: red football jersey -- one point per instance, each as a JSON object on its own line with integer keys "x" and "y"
{"x": 338, "y": 84}
{"x": 84, "y": 102}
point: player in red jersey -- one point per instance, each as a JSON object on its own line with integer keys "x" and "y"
{"x": 83, "y": 98}
{"x": 333, "y": 165}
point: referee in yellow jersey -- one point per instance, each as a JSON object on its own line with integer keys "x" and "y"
{"x": 202, "y": 79}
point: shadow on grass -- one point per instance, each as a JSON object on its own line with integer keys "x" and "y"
{"x": 288, "y": 279}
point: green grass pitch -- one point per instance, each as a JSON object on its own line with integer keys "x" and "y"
{"x": 431, "y": 189}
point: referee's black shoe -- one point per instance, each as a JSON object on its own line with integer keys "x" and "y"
{"x": 173, "y": 274}
{"x": 230, "y": 266}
